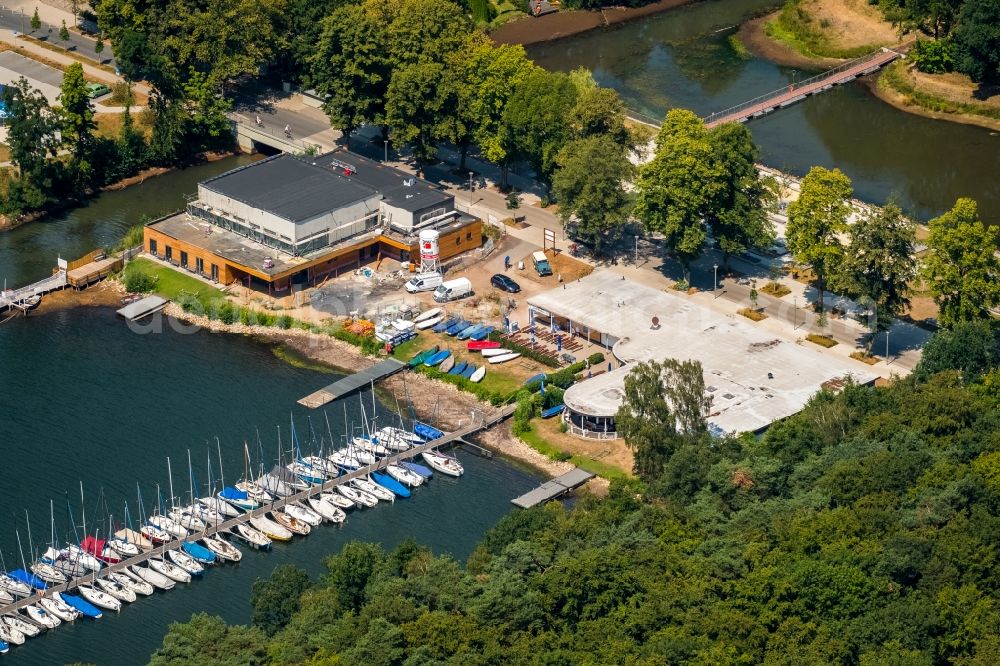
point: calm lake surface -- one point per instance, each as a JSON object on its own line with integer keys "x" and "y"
{"x": 84, "y": 398}
{"x": 682, "y": 59}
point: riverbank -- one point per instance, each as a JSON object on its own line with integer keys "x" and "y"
{"x": 755, "y": 38}
{"x": 940, "y": 96}
{"x": 551, "y": 27}
{"x": 7, "y": 224}
{"x": 447, "y": 405}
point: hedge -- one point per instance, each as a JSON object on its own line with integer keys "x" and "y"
{"x": 524, "y": 351}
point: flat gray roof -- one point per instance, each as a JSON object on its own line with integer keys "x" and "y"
{"x": 389, "y": 181}
{"x": 736, "y": 356}
{"x": 289, "y": 187}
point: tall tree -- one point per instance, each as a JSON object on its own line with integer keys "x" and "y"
{"x": 493, "y": 74}
{"x": 459, "y": 125}
{"x": 962, "y": 268}
{"x": 738, "y": 216}
{"x": 276, "y": 599}
{"x": 76, "y": 117}
{"x": 815, "y": 221}
{"x": 424, "y": 30}
{"x": 351, "y": 67}
{"x": 665, "y": 404}
{"x": 600, "y": 111}
{"x": 676, "y": 189}
{"x": 535, "y": 118}
{"x": 977, "y": 41}
{"x": 589, "y": 185}
{"x": 880, "y": 264}
{"x": 415, "y": 106}
{"x": 32, "y": 134}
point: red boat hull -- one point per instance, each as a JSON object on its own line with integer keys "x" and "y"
{"x": 475, "y": 345}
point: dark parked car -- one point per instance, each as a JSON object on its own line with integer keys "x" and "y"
{"x": 504, "y": 283}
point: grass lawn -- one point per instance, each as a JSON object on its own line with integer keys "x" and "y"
{"x": 109, "y": 125}
{"x": 536, "y": 441}
{"x": 171, "y": 284}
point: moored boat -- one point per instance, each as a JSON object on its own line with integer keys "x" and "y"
{"x": 185, "y": 562}
{"x": 59, "y": 608}
{"x": 357, "y": 496}
{"x": 389, "y": 484}
{"x": 291, "y": 523}
{"x": 99, "y": 598}
{"x": 324, "y": 507}
{"x": 338, "y": 500}
{"x": 222, "y": 548}
{"x": 11, "y": 636}
{"x": 304, "y": 514}
{"x": 444, "y": 464}
{"x": 84, "y": 607}
{"x": 417, "y": 468}
{"x": 151, "y": 576}
{"x": 41, "y": 617}
{"x": 115, "y": 589}
{"x": 372, "y": 488}
{"x": 20, "y": 624}
{"x": 137, "y": 586}
{"x": 271, "y": 529}
{"x": 251, "y": 536}
{"x": 238, "y": 498}
{"x": 198, "y": 553}
{"x": 405, "y": 475}
{"x": 170, "y": 570}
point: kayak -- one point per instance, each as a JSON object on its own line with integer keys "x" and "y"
{"x": 476, "y": 345}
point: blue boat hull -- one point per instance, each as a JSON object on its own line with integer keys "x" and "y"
{"x": 469, "y": 332}
{"x": 85, "y": 607}
{"x": 200, "y": 553}
{"x": 28, "y": 579}
{"x": 426, "y": 432}
{"x": 390, "y": 483}
{"x": 457, "y": 328}
{"x": 459, "y": 368}
{"x": 469, "y": 371}
{"x": 417, "y": 468}
{"x": 483, "y": 334}
{"x": 437, "y": 358}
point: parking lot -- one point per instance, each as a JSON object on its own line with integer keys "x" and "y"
{"x": 46, "y": 79}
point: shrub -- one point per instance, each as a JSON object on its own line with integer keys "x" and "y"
{"x": 137, "y": 281}
{"x": 595, "y": 358}
{"x": 523, "y": 413}
{"x": 932, "y": 56}
{"x": 226, "y": 313}
{"x": 121, "y": 94}
{"x": 821, "y": 340}
{"x": 284, "y": 322}
{"x": 563, "y": 456}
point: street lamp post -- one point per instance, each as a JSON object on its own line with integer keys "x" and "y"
{"x": 637, "y": 249}
{"x": 470, "y": 190}
{"x": 887, "y": 359}
{"x": 795, "y": 312}
{"x": 385, "y": 157}
{"x": 715, "y": 281}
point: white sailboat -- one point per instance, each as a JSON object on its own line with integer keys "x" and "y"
{"x": 137, "y": 586}
{"x": 251, "y": 536}
{"x": 271, "y": 529}
{"x": 374, "y": 489}
{"x": 10, "y": 635}
{"x": 444, "y": 464}
{"x": 224, "y": 509}
{"x": 185, "y": 562}
{"x": 405, "y": 476}
{"x": 170, "y": 570}
{"x": 14, "y": 587}
{"x": 324, "y": 507}
{"x": 20, "y": 624}
{"x": 291, "y": 523}
{"x": 59, "y": 608}
{"x": 338, "y": 500}
{"x": 222, "y": 548}
{"x": 99, "y": 598}
{"x": 115, "y": 589}
{"x": 359, "y": 497}
{"x": 151, "y": 576}
{"x": 304, "y": 514}
{"x": 41, "y": 617}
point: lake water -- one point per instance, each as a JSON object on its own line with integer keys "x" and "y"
{"x": 84, "y": 398}
{"x": 682, "y": 59}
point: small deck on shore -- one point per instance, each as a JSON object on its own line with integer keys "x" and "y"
{"x": 554, "y": 488}
{"x": 143, "y": 307}
{"x": 93, "y": 271}
{"x": 352, "y": 383}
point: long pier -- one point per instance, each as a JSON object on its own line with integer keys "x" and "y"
{"x": 224, "y": 527}
{"x": 778, "y": 99}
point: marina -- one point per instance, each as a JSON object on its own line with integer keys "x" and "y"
{"x": 184, "y": 553}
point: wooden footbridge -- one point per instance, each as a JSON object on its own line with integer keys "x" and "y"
{"x": 482, "y": 423}
{"x": 796, "y": 92}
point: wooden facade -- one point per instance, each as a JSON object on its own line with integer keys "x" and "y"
{"x": 340, "y": 258}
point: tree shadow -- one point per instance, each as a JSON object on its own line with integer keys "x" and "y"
{"x": 985, "y": 90}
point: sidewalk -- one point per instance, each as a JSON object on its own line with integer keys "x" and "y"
{"x": 31, "y": 49}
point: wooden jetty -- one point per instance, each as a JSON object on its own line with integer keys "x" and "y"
{"x": 553, "y": 488}
{"x": 352, "y": 383}
{"x": 779, "y": 99}
{"x": 93, "y": 271}
{"x": 224, "y": 527}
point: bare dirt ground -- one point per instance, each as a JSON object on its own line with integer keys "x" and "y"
{"x": 851, "y": 23}
{"x": 955, "y": 87}
{"x": 613, "y": 452}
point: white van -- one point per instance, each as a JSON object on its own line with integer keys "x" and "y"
{"x": 453, "y": 290}
{"x": 424, "y": 282}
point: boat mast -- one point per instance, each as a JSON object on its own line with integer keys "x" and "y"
{"x": 83, "y": 511}
{"x": 21, "y": 549}
{"x": 191, "y": 479}
{"x": 52, "y": 523}
{"x": 170, "y": 477}
{"x": 28, "y": 523}
{"x": 222, "y": 476}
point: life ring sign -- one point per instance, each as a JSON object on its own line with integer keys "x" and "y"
{"x": 538, "y": 8}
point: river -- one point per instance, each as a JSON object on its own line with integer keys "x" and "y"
{"x": 84, "y": 398}
{"x": 682, "y": 58}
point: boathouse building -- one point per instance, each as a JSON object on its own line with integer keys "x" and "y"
{"x": 295, "y": 220}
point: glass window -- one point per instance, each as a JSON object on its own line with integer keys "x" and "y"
{"x": 184, "y": 258}
{"x": 152, "y": 246}
{"x": 199, "y": 264}
{"x": 169, "y": 253}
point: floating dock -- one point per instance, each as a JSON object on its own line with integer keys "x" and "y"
{"x": 224, "y": 527}
{"x": 352, "y": 383}
{"x": 554, "y": 488}
{"x": 143, "y": 307}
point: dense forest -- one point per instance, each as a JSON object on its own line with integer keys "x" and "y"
{"x": 861, "y": 531}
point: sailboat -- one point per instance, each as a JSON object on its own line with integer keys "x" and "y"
{"x": 127, "y": 542}
{"x": 396, "y": 439}
{"x": 14, "y": 586}
{"x": 82, "y": 606}
{"x": 170, "y": 570}
{"x": 189, "y": 516}
{"x": 77, "y": 552}
{"x": 389, "y": 484}
{"x": 99, "y": 598}
{"x": 254, "y": 489}
{"x": 41, "y": 617}
{"x": 326, "y": 508}
{"x": 222, "y": 548}
{"x": 10, "y": 636}
{"x": 136, "y": 585}
{"x": 152, "y": 533}
{"x": 18, "y": 623}
{"x": 271, "y": 529}
{"x": 150, "y": 576}
{"x": 198, "y": 552}
{"x": 404, "y": 475}
{"x": 115, "y": 589}
{"x": 53, "y": 567}
{"x": 302, "y": 469}
{"x": 186, "y": 562}
{"x": 442, "y": 463}
{"x": 372, "y": 488}
{"x": 59, "y": 608}
{"x": 291, "y": 523}
{"x": 338, "y": 500}
{"x": 304, "y": 514}
{"x": 359, "y": 497}
{"x": 251, "y": 536}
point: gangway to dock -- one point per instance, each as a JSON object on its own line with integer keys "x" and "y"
{"x": 553, "y": 488}
{"x": 17, "y": 297}
{"x": 449, "y": 438}
{"x": 352, "y": 383}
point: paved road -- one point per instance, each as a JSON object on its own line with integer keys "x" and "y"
{"x": 306, "y": 123}
{"x": 84, "y": 46}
